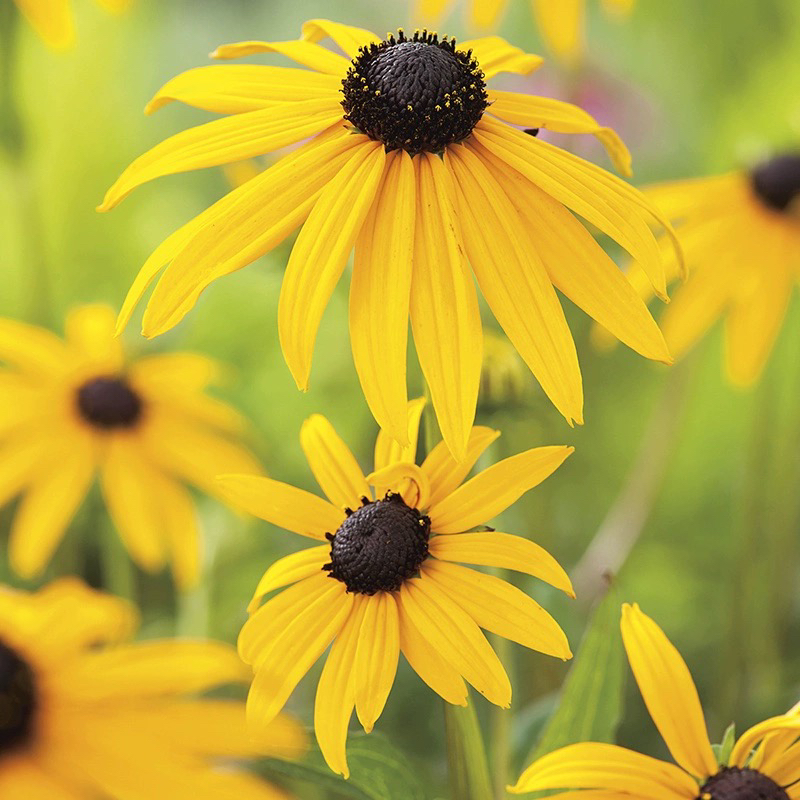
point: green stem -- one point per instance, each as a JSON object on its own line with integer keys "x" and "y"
{"x": 119, "y": 572}
{"x": 500, "y": 721}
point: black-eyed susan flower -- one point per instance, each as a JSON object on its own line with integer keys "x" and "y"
{"x": 52, "y": 19}
{"x": 85, "y": 713}
{"x": 412, "y": 162}
{"x": 764, "y": 764}
{"x": 741, "y": 235}
{"x": 388, "y": 578}
{"x": 76, "y": 408}
{"x": 561, "y": 22}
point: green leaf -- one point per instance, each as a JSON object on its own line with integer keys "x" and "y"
{"x": 591, "y": 701}
{"x": 722, "y": 752}
{"x": 378, "y": 771}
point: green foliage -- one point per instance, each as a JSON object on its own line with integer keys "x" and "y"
{"x": 722, "y": 752}
{"x": 591, "y": 700}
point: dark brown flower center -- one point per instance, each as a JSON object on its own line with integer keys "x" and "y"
{"x": 17, "y": 700}
{"x": 777, "y": 182}
{"x": 109, "y": 402}
{"x": 732, "y": 783}
{"x": 379, "y": 546}
{"x": 414, "y": 94}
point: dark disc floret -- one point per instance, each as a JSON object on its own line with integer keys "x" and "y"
{"x": 777, "y": 182}
{"x": 379, "y": 546}
{"x": 109, "y": 402}
{"x": 417, "y": 94}
{"x": 732, "y": 783}
{"x": 17, "y": 700}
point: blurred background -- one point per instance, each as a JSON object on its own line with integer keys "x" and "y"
{"x": 699, "y": 481}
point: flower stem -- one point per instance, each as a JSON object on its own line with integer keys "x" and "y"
{"x": 466, "y": 754}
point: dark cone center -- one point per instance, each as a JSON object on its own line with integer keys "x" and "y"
{"x": 777, "y": 182}
{"x": 109, "y": 402}
{"x": 418, "y": 94}
{"x": 17, "y": 700}
{"x": 732, "y": 783}
{"x": 379, "y": 546}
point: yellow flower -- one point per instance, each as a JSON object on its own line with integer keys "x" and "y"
{"x": 411, "y": 162}
{"x": 70, "y": 409}
{"x": 561, "y": 22}
{"x": 52, "y": 19}
{"x": 763, "y": 764}
{"x": 85, "y": 713}
{"x": 385, "y": 580}
{"x": 741, "y": 236}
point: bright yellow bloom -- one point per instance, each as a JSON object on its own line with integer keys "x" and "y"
{"x": 741, "y": 236}
{"x": 85, "y": 713}
{"x": 764, "y": 763}
{"x": 386, "y": 580}
{"x": 412, "y": 162}
{"x": 561, "y": 22}
{"x": 72, "y": 409}
{"x": 52, "y": 19}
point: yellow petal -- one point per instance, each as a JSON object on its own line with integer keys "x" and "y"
{"x": 379, "y": 295}
{"x": 288, "y": 570}
{"x": 224, "y": 140}
{"x": 306, "y": 53}
{"x": 405, "y": 479}
{"x": 332, "y": 463}
{"x": 90, "y": 332}
{"x": 751, "y": 737}
{"x": 51, "y": 19}
{"x": 25, "y": 777}
{"x": 668, "y": 691}
{"x": 320, "y": 254}
{"x": 457, "y": 638}
{"x": 495, "y": 55}
{"x": 561, "y": 25}
{"x": 428, "y": 663}
{"x": 234, "y": 88}
{"x": 348, "y": 38}
{"x": 496, "y": 488}
{"x": 431, "y": 11}
{"x": 388, "y": 450}
{"x": 282, "y": 505}
{"x": 375, "y": 663}
{"x": 515, "y": 283}
{"x": 486, "y": 13}
{"x": 445, "y": 473}
{"x": 556, "y": 115}
{"x": 505, "y": 551}
{"x": 32, "y": 349}
{"x": 607, "y": 767}
{"x": 445, "y": 317}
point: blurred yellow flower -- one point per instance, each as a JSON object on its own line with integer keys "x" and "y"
{"x": 52, "y": 19}
{"x": 85, "y": 713}
{"x": 561, "y": 22}
{"x": 504, "y": 378}
{"x": 764, "y": 764}
{"x": 741, "y": 236}
{"x": 414, "y": 164}
{"x": 385, "y": 580}
{"x": 70, "y": 409}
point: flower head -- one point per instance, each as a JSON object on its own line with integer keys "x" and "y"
{"x": 72, "y": 409}
{"x": 412, "y": 162}
{"x": 86, "y": 713}
{"x": 764, "y": 764}
{"x": 741, "y": 236}
{"x": 387, "y": 578}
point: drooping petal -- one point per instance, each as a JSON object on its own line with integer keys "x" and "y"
{"x": 234, "y": 88}
{"x": 334, "y": 466}
{"x": 492, "y": 491}
{"x": 376, "y": 658}
{"x": 347, "y": 37}
{"x": 306, "y": 53}
{"x": 457, "y": 638}
{"x": 556, "y": 115}
{"x": 668, "y": 692}
{"x": 515, "y": 283}
{"x": 288, "y": 570}
{"x": 505, "y": 551}
{"x": 224, "y": 140}
{"x": 379, "y": 295}
{"x": 752, "y": 736}
{"x": 51, "y": 19}
{"x": 496, "y": 55}
{"x": 445, "y": 318}
{"x": 562, "y": 27}
{"x": 282, "y": 505}
{"x": 389, "y": 451}
{"x": 321, "y": 252}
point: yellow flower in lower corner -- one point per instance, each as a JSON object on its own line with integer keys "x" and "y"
{"x": 741, "y": 237}
{"x": 386, "y": 578}
{"x": 411, "y": 160}
{"x": 72, "y": 409}
{"x": 52, "y": 19}
{"x": 85, "y": 713}
{"x": 764, "y": 764}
